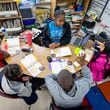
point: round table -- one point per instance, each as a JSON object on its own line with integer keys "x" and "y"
{"x": 41, "y": 54}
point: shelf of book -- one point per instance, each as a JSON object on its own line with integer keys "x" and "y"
{"x": 10, "y": 17}
{"x": 8, "y": 13}
{"x": 8, "y": 1}
{"x": 43, "y": 3}
{"x": 71, "y": 10}
{"x": 77, "y": 12}
{"x": 13, "y": 29}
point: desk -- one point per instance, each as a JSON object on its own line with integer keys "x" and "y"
{"x": 41, "y": 54}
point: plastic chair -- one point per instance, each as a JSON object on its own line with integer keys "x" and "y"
{"x": 3, "y": 94}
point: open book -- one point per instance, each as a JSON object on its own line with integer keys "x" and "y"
{"x": 61, "y": 52}
{"x": 88, "y": 53}
{"x": 32, "y": 65}
{"x": 13, "y": 45}
{"x": 57, "y": 66}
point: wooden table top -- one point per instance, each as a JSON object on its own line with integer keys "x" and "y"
{"x": 41, "y": 54}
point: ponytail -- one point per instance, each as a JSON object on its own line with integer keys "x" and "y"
{"x": 58, "y": 11}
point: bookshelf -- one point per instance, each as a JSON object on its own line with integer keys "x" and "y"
{"x": 47, "y": 4}
{"x": 10, "y": 17}
{"x": 75, "y": 18}
{"x": 43, "y": 11}
{"x": 44, "y": 3}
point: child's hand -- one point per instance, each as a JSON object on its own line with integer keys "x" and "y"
{"x": 25, "y": 78}
{"x": 57, "y": 45}
{"x": 100, "y": 45}
{"x": 82, "y": 59}
{"x": 52, "y": 46}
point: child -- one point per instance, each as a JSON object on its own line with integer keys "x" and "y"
{"x": 67, "y": 92}
{"x": 14, "y": 82}
{"x": 3, "y": 54}
{"x": 100, "y": 64}
{"x": 57, "y": 32}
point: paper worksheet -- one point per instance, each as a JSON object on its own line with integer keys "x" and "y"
{"x": 57, "y": 66}
{"x": 61, "y": 52}
{"x": 13, "y": 45}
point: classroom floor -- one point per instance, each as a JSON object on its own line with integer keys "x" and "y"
{"x": 18, "y": 104}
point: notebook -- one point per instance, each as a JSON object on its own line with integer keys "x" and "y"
{"x": 32, "y": 65}
{"x": 61, "y": 52}
{"x": 13, "y": 45}
{"x": 57, "y": 66}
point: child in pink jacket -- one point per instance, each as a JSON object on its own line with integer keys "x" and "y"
{"x": 100, "y": 64}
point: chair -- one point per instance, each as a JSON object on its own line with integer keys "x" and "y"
{"x": 53, "y": 106}
{"x": 3, "y": 94}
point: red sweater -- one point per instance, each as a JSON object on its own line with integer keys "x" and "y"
{"x": 2, "y": 60}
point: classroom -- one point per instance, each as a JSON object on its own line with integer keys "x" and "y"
{"x": 54, "y": 54}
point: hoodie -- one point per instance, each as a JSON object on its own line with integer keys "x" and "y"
{"x": 66, "y": 35}
{"x": 75, "y": 96}
{"x": 15, "y": 87}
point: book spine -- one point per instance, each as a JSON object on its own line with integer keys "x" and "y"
{"x": 11, "y": 23}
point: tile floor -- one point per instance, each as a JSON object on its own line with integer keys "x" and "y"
{"x": 18, "y": 104}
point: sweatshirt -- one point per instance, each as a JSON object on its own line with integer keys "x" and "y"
{"x": 75, "y": 96}
{"x": 66, "y": 35}
{"x": 97, "y": 67}
{"x": 15, "y": 87}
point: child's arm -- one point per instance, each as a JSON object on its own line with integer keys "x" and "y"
{"x": 85, "y": 81}
{"x": 67, "y": 36}
{"x": 25, "y": 91}
{"x": 46, "y": 38}
{"x": 5, "y": 54}
{"x": 52, "y": 84}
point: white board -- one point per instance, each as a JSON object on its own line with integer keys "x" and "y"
{"x": 105, "y": 19}
{"x": 97, "y": 6}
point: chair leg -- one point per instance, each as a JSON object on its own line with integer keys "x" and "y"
{"x": 29, "y": 107}
{"x": 51, "y": 107}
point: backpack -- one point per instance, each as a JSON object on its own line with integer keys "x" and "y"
{"x": 38, "y": 40}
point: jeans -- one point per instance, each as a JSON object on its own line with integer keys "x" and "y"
{"x": 30, "y": 100}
